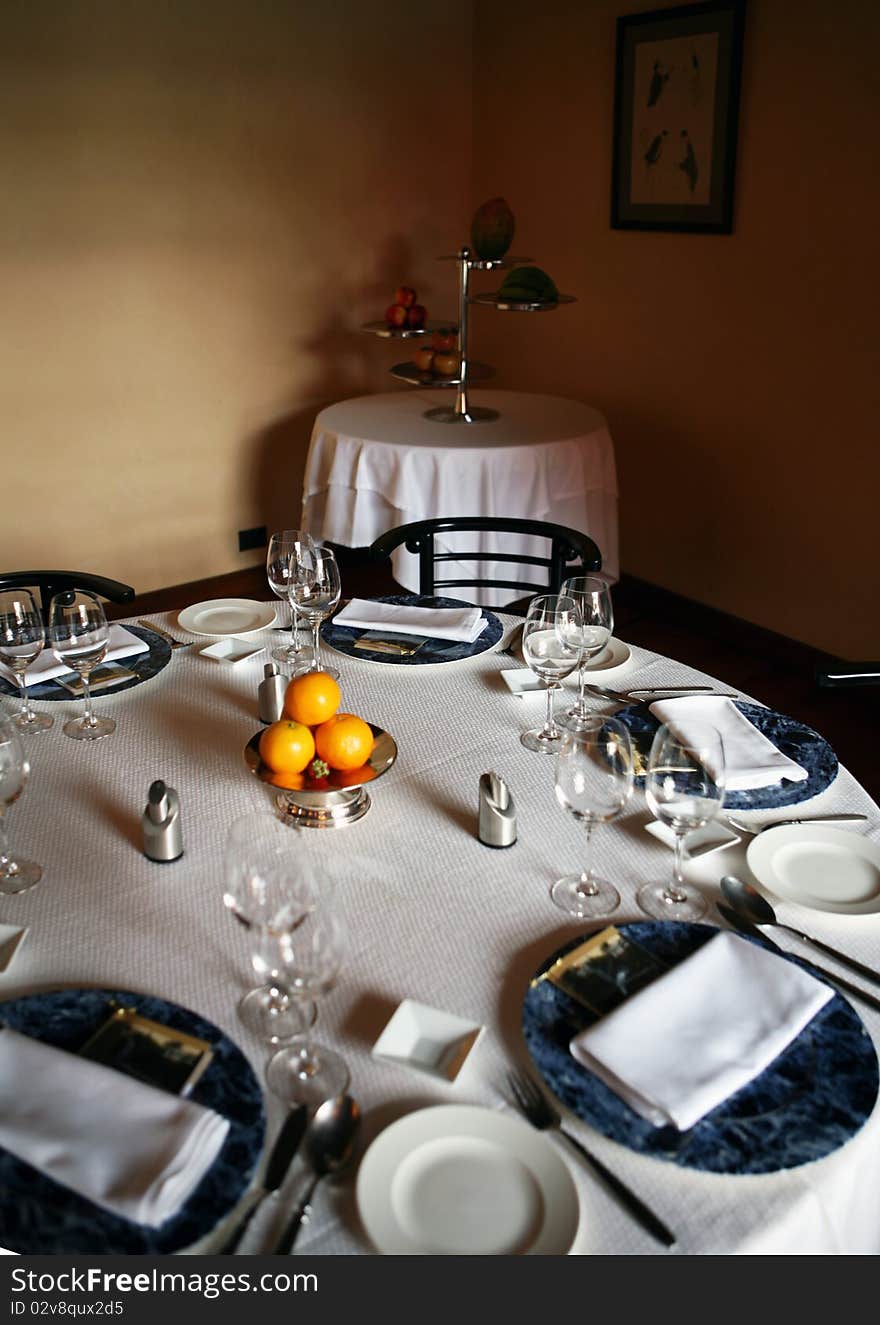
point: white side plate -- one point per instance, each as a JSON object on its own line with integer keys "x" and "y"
{"x": 456, "y": 1180}
{"x": 11, "y": 939}
{"x": 227, "y": 616}
{"x": 824, "y": 869}
{"x": 427, "y": 1039}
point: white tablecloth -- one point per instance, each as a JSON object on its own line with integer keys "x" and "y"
{"x": 434, "y": 916}
{"x": 376, "y": 462}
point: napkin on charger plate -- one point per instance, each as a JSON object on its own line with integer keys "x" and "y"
{"x": 463, "y": 624}
{"x": 695, "y": 1036}
{"x": 750, "y": 759}
{"x": 134, "y": 1149}
{"x": 122, "y": 644}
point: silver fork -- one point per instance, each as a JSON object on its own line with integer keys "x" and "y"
{"x": 534, "y": 1105}
{"x": 171, "y": 639}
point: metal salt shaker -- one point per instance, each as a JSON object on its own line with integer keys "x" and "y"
{"x": 271, "y": 693}
{"x": 163, "y": 837}
{"x": 497, "y": 826}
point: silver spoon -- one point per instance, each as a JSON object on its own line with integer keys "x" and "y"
{"x": 748, "y": 902}
{"x": 329, "y": 1144}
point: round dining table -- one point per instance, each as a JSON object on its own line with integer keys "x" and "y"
{"x": 376, "y": 462}
{"x": 433, "y": 915}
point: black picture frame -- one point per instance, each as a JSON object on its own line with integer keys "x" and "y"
{"x": 676, "y": 111}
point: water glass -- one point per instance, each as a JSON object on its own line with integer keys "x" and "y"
{"x": 593, "y": 597}
{"x": 22, "y": 636}
{"x": 79, "y": 635}
{"x": 684, "y": 785}
{"x": 317, "y": 588}
{"x": 16, "y": 876}
{"x": 285, "y": 550}
{"x": 594, "y": 782}
{"x": 551, "y": 647}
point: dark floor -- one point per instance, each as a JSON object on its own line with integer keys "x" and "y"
{"x": 777, "y": 671}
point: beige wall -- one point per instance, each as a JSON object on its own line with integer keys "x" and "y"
{"x": 739, "y": 373}
{"x": 203, "y": 199}
{"x": 201, "y": 202}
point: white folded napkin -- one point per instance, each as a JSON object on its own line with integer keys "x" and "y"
{"x": 750, "y": 759}
{"x": 122, "y": 644}
{"x": 463, "y": 624}
{"x": 696, "y": 1035}
{"x": 129, "y": 1147}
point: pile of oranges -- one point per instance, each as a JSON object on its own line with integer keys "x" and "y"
{"x": 313, "y": 737}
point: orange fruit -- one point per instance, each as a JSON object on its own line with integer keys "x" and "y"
{"x": 286, "y": 747}
{"x": 312, "y": 698}
{"x": 355, "y": 777}
{"x": 344, "y": 742}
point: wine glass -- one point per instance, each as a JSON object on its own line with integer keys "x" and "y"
{"x": 684, "y": 785}
{"x": 551, "y": 647}
{"x": 317, "y": 588}
{"x": 267, "y": 894}
{"x": 305, "y": 1072}
{"x": 284, "y": 550}
{"x": 593, "y": 597}
{"x": 79, "y": 635}
{"x": 16, "y": 876}
{"x": 594, "y": 781}
{"x": 22, "y": 636}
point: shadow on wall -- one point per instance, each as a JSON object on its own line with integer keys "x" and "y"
{"x": 347, "y": 362}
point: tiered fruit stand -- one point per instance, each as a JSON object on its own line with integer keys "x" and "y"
{"x": 469, "y": 371}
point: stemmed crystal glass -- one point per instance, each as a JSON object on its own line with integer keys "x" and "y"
{"x": 594, "y": 782}
{"x": 316, "y": 590}
{"x": 79, "y": 635}
{"x": 551, "y": 646}
{"x": 266, "y": 893}
{"x": 285, "y": 550}
{"x": 22, "y": 636}
{"x": 684, "y": 785}
{"x": 593, "y": 597}
{"x": 305, "y": 1072}
{"x": 16, "y": 876}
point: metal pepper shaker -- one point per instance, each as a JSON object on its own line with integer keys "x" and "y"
{"x": 497, "y": 822}
{"x": 270, "y": 695}
{"x": 163, "y": 836}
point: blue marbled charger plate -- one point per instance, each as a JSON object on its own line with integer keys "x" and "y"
{"x": 798, "y": 742}
{"x": 144, "y": 665}
{"x": 811, "y": 1100}
{"x": 40, "y": 1217}
{"x": 432, "y": 652}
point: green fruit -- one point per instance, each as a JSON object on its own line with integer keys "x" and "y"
{"x": 528, "y": 285}
{"x": 492, "y": 230}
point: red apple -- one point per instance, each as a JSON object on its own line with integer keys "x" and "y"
{"x": 424, "y": 358}
{"x": 443, "y": 339}
{"x": 395, "y": 315}
{"x": 446, "y": 365}
{"x": 405, "y": 295}
{"x": 415, "y": 316}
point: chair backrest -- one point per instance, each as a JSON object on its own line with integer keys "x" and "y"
{"x": 566, "y": 547}
{"x": 50, "y": 582}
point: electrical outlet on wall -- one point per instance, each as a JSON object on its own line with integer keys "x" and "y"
{"x": 251, "y": 538}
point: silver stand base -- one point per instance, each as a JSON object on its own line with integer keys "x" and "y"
{"x": 475, "y": 414}
{"x": 335, "y": 809}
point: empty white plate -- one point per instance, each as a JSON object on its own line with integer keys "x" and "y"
{"x": 825, "y": 869}
{"x": 227, "y": 616}
{"x": 456, "y": 1180}
{"x": 11, "y": 938}
{"x": 427, "y": 1039}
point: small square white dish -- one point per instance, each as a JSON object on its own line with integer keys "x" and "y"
{"x": 713, "y": 837}
{"x": 11, "y": 939}
{"x": 231, "y": 651}
{"x": 427, "y": 1040}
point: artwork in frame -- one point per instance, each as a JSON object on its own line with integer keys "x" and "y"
{"x": 676, "y": 105}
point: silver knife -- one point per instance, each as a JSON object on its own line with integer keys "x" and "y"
{"x": 280, "y": 1159}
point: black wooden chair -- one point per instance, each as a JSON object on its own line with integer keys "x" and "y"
{"x": 569, "y": 552}
{"x": 50, "y": 582}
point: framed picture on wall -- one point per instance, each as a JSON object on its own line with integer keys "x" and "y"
{"x": 676, "y": 105}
